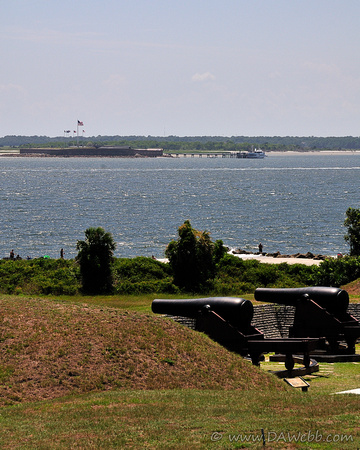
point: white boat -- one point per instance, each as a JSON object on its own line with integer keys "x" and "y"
{"x": 254, "y": 154}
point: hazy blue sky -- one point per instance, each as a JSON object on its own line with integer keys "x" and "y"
{"x": 190, "y": 67}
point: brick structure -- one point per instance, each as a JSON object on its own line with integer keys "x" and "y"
{"x": 272, "y": 320}
{"x": 128, "y": 152}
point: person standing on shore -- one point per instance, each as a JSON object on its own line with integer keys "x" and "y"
{"x": 260, "y": 248}
{"x": 62, "y": 253}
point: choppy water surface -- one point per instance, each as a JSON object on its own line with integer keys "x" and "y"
{"x": 290, "y": 203}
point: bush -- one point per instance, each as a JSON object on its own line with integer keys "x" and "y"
{"x": 139, "y": 269}
{"x": 237, "y": 276}
{"x": 337, "y": 271}
{"x": 142, "y": 275}
{"x": 39, "y": 276}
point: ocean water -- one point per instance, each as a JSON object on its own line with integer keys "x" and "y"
{"x": 290, "y": 203}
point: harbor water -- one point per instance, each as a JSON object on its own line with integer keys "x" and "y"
{"x": 289, "y": 202}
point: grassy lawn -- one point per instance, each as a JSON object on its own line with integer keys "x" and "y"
{"x": 184, "y": 419}
{"x": 139, "y": 303}
{"x": 88, "y": 377}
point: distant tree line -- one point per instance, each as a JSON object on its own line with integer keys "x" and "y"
{"x": 193, "y": 143}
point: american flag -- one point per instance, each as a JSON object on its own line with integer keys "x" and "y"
{"x": 80, "y": 124}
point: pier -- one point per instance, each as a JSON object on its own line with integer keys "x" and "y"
{"x": 257, "y": 153}
{"x": 209, "y": 155}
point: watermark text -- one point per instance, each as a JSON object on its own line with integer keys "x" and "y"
{"x": 283, "y": 437}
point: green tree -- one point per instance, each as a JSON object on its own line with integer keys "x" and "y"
{"x": 95, "y": 257}
{"x": 192, "y": 257}
{"x": 219, "y": 251}
{"x": 352, "y": 223}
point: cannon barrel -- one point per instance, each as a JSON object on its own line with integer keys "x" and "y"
{"x": 334, "y": 300}
{"x": 237, "y": 311}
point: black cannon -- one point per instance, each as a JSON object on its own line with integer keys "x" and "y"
{"x": 237, "y": 311}
{"x": 228, "y": 322}
{"x": 319, "y": 312}
{"x": 333, "y": 299}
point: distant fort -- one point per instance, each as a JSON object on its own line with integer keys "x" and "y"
{"x": 94, "y": 152}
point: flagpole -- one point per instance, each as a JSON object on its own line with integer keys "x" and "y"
{"x": 79, "y": 124}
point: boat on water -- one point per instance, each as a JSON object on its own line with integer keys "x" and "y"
{"x": 257, "y": 153}
{"x": 254, "y": 154}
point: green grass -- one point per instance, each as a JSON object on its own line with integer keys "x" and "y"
{"x": 331, "y": 377}
{"x": 86, "y": 357}
{"x": 183, "y": 419}
{"x": 139, "y": 303}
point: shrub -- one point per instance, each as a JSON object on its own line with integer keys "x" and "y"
{"x": 39, "y": 276}
{"x": 139, "y": 269}
{"x": 337, "y": 271}
{"x": 142, "y": 275}
{"x": 237, "y": 276}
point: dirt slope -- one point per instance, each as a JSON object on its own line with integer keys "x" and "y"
{"x": 353, "y": 288}
{"x": 51, "y": 348}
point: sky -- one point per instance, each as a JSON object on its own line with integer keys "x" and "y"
{"x": 184, "y": 68}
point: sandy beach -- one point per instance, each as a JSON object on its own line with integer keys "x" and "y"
{"x": 272, "y": 260}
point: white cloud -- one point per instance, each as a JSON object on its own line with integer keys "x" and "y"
{"x": 201, "y": 77}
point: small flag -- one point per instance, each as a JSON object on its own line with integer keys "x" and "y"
{"x": 80, "y": 124}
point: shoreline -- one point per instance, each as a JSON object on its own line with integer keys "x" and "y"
{"x": 16, "y": 153}
{"x": 269, "y": 259}
{"x": 279, "y": 260}
{"x": 313, "y": 152}
{"x": 308, "y": 258}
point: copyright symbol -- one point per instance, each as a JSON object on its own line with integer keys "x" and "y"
{"x": 215, "y": 437}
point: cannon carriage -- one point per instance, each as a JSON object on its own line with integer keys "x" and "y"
{"x": 320, "y": 312}
{"x": 322, "y": 327}
{"x": 228, "y": 322}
